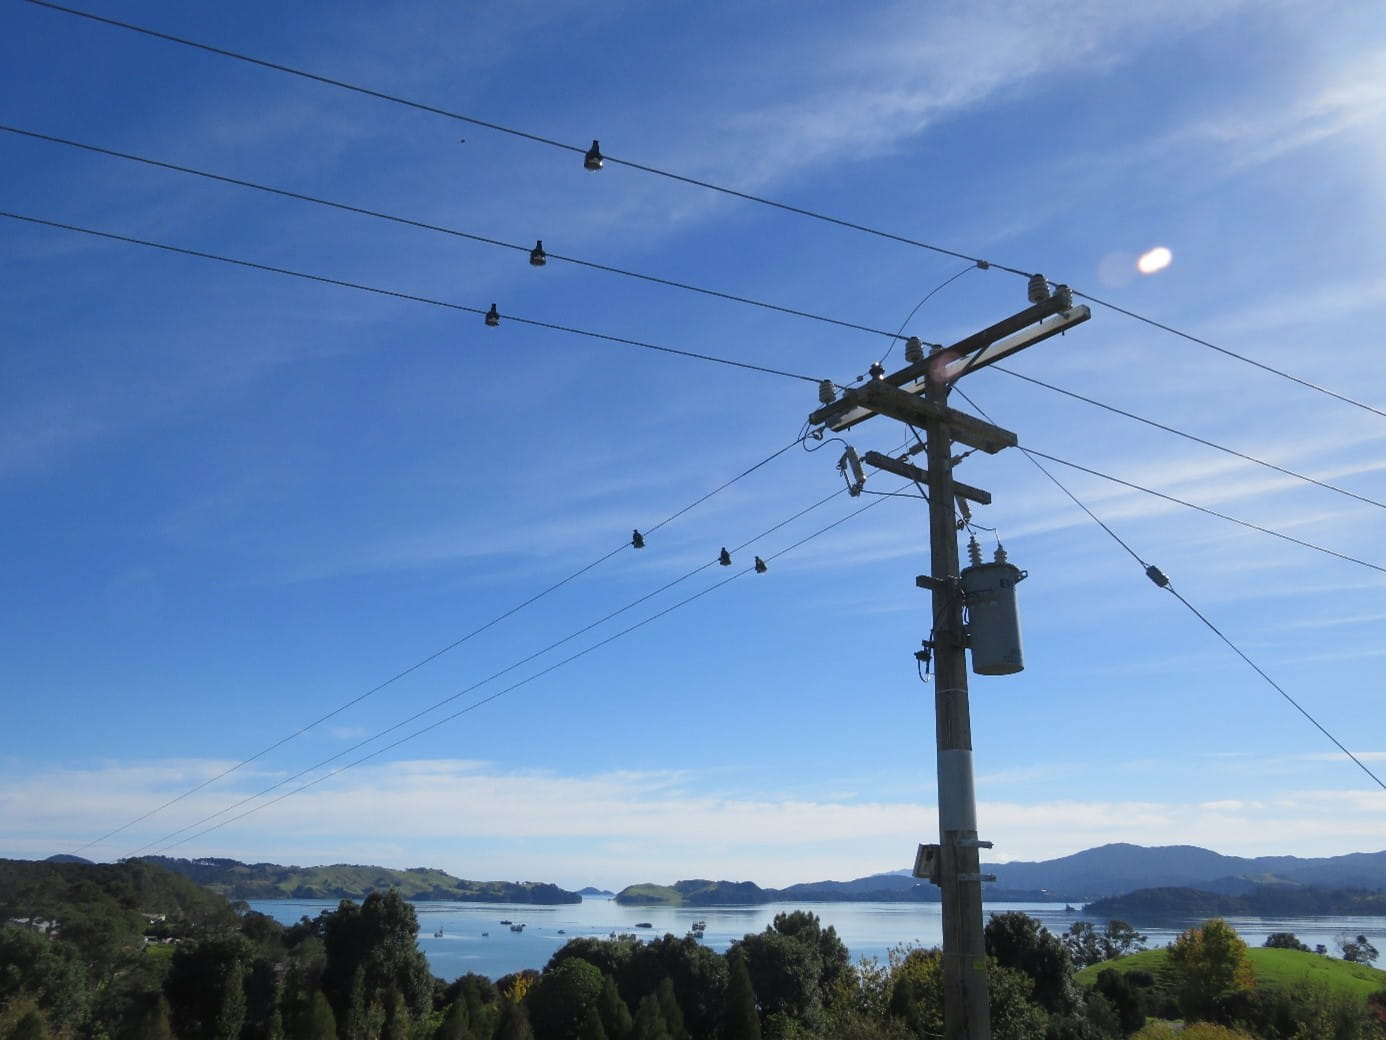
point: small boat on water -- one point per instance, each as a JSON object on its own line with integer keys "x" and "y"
{"x": 518, "y": 927}
{"x": 643, "y": 924}
{"x": 505, "y": 922}
{"x": 438, "y": 934}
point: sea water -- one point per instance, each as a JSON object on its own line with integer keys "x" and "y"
{"x": 458, "y": 938}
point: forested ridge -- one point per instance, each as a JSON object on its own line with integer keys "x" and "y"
{"x": 131, "y": 950}
{"x": 237, "y": 880}
{"x": 1263, "y": 900}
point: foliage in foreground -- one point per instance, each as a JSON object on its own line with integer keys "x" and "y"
{"x": 356, "y": 973}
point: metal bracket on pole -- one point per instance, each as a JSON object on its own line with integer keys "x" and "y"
{"x": 971, "y": 843}
{"x": 977, "y": 877}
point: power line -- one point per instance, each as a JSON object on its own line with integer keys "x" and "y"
{"x": 442, "y": 229}
{"x": 1162, "y": 581}
{"x": 1278, "y": 688}
{"x": 1204, "y": 509}
{"x": 412, "y": 298}
{"x": 1189, "y": 436}
{"x": 707, "y": 185}
{"x": 431, "y": 657}
{"x": 665, "y": 282}
{"x": 499, "y": 128}
{"x": 523, "y": 682}
{"x": 1232, "y": 354}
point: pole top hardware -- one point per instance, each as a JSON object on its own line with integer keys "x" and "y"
{"x": 1037, "y": 322}
{"x": 919, "y": 476}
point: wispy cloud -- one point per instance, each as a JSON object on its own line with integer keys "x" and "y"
{"x": 441, "y": 812}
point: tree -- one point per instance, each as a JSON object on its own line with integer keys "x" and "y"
{"x": 592, "y": 1028}
{"x": 1284, "y": 941}
{"x": 832, "y": 952}
{"x": 49, "y": 970}
{"x": 206, "y": 987}
{"x": 698, "y": 976}
{"x": 649, "y": 1021}
{"x": 1019, "y": 941}
{"x": 916, "y": 994}
{"x": 1210, "y": 965}
{"x": 741, "y": 1020}
{"x": 1014, "y": 1016}
{"x": 559, "y": 1001}
{"x": 315, "y": 1020}
{"x": 784, "y": 974}
{"x": 1122, "y": 995}
{"x": 514, "y": 1022}
{"x": 1086, "y": 944}
{"x": 374, "y": 946}
{"x": 1359, "y": 950}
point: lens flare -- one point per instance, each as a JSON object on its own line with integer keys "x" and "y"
{"x": 1154, "y": 260}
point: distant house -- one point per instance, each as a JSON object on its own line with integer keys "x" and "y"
{"x": 39, "y": 924}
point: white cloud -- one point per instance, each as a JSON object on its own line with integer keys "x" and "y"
{"x": 478, "y": 822}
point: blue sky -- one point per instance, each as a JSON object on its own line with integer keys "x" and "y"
{"x": 236, "y": 501}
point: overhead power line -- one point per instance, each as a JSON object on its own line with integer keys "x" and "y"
{"x": 1189, "y": 436}
{"x": 394, "y": 218}
{"x": 431, "y": 657}
{"x": 1210, "y": 512}
{"x": 707, "y": 185}
{"x": 499, "y": 128}
{"x": 411, "y": 297}
{"x": 1275, "y": 685}
{"x": 1162, "y": 581}
{"x": 509, "y": 689}
{"x": 442, "y": 229}
{"x": 1232, "y": 354}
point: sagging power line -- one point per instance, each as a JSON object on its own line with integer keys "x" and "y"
{"x": 593, "y": 164}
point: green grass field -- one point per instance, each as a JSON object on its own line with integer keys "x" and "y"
{"x": 1274, "y": 968}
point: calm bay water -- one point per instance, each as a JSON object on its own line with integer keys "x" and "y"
{"x": 473, "y": 938}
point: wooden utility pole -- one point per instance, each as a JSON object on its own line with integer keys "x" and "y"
{"x": 918, "y": 395}
{"x": 966, "y": 1010}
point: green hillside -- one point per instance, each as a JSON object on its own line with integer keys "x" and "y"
{"x": 698, "y": 892}
{"x": 1274, "y": 969}
{"x": 236, "y": 880}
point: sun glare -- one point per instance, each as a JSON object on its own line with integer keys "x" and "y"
{"x": 1154, "y": 260}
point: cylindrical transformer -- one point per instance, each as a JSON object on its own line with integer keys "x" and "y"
{"x": 993, "y": 623}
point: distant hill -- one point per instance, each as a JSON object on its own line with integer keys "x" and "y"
{"x": 591, "y": 890}
{"x": 1115, "y": 869}
{"x": 879, "y": 888}
{"x": 1110, "y": 870}
{"x": 236, "y": 880}
{"x": 1261, "y": 900}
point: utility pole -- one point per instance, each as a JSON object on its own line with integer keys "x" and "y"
{"x": 918, "y": 395}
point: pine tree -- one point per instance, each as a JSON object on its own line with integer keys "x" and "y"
{"x": 649, "y": 1021}
{"x": 669, "y": 1008}
{"x": 514, "y": 1023}
{"x": 616, "y": 1016}
{"x": 742, "y": 1020}
{"x": 592, "y": 1028}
